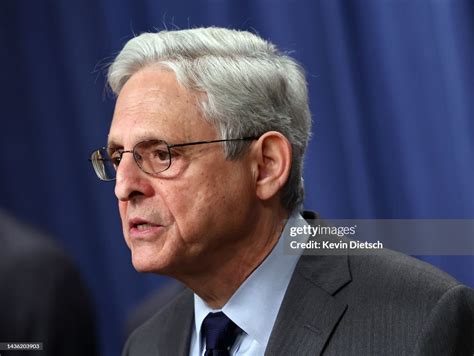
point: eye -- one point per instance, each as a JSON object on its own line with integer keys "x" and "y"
{"x": 152, "y": 156}
{"x": 115, "y": 158}
{"x": 161, "y": 154}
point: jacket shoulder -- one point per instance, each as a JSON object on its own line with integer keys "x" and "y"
{"x": 406, "y": 306}
{"x": 394, "y": 270}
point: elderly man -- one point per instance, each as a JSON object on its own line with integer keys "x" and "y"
{"x": 206, "y": 148}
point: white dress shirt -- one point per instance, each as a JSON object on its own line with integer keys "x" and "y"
{"x": 254, "y": 306}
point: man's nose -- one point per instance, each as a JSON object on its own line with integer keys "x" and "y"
{"x": 130, "y": 179}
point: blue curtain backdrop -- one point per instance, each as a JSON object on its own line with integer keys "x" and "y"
{"x": 392, "y": 98}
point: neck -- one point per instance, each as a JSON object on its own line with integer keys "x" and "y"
{"x": 217, "y": 284}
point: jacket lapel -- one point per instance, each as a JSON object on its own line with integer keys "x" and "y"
{"x": 309, "y": 312}
{"x": 178, "y": 329}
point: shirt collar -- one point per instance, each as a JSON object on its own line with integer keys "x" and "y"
{"x": 254, "y": 306}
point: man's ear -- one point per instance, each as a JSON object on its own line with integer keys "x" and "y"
{"x": 273, "y": 157}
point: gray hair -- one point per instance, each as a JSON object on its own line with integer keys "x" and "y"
{"x": 250, "y": 87}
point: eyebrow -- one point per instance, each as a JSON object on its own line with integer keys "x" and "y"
{"x": 111, "y": 143}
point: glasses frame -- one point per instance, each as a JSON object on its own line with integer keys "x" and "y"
{"x": 169, "y": 146}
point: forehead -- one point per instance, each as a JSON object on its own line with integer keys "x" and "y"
{"x": 152, "y": 104}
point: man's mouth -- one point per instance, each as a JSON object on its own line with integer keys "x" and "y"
{"x": 141, "y": 228}
{"x": 144, "y": 226}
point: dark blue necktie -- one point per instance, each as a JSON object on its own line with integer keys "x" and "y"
{"x": 220, "y": 333}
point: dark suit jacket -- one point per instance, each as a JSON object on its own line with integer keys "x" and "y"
{"x": 376, "y": 304}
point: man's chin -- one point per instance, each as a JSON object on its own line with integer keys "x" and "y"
{"x": 150, "y": 264}
{"x": 145, "y": 264}
{"x": 142, "y": 268}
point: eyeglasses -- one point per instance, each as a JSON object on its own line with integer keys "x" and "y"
{"x": 152, "y": 156}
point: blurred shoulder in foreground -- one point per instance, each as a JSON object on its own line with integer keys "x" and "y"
{"x": 42, "y": 298}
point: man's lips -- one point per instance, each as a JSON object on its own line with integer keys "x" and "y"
{"x": 141, "y": 228}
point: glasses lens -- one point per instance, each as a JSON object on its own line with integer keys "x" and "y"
{"x": 152, "y": 156}
{"x": 103, "y": 165}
